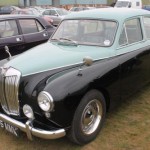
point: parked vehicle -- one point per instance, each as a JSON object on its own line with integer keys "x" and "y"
{"x": 21, "y": 32}
{"x": 39, "y": 9}
{"x": 57, "y": 14}
{"x": 31, "y": 11}
{"x": 93, "y": 61}
{"x": 146, "y": 7}
{"x": 75, "y": 9}
{"x": 129, "y": 3}
{"x": 8, "y": 9}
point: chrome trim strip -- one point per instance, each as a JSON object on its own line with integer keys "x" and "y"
{"x": 30, "y": 130}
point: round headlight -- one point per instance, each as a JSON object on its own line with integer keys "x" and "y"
{"x": 28, "y": 112}
{"x": 45, "y": 101}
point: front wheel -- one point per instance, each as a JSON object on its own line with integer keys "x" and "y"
{"x": 88, "y": 118}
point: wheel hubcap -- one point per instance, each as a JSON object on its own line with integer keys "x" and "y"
{"x": 91, "y": 116}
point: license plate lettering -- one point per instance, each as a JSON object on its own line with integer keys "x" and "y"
{"x": 1, "y": 124}
{"x": 11, "y": 129}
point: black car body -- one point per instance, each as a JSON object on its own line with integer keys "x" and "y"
{"x": 94, "y": 60}
{"x": 21, "y": 32}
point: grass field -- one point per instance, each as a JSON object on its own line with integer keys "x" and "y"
{"x": 126, "y": 128}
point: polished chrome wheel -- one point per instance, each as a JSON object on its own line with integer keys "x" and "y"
{"x": 88, "y": 118}
{"x": 91, "y": 117}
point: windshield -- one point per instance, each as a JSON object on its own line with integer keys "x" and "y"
{"x": 122, "y": 4}
{"x": 87, "y": 32}
{"x": 62, "y": 12}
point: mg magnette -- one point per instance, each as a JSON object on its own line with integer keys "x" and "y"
{"x": 94, "y": 60}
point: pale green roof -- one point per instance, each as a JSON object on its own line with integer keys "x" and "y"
{"x": 108, "y": 13}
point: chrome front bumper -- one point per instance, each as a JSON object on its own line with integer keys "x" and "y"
{"x": 31, "y": 131}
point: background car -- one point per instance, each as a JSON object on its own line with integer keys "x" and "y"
{"x": 75, "y": 9}
{"x": 38, "y": 8}
{"x": 146, "y": 7}
{"x": 8, "y": 9}
{"x": 21, "y": 32}
{"x": 32, "y": 11}
{"x": 57, "y": 14}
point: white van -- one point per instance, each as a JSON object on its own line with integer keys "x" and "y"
{"x": 129, "y": 3}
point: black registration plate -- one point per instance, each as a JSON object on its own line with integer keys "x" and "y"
{"x": 9, "y": 128}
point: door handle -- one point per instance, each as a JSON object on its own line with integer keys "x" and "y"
{"x": 18, "y": 39}
{"x": 45, "y": 34}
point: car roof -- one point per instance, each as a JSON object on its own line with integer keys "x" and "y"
{"x": 108, "y": 13}
{"x": 4, "y": 17}
{"x": 54, "y": 8}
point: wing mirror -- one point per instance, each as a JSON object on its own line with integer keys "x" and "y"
{"x": 8, "y": 52}
{"x": 87, "y": 61}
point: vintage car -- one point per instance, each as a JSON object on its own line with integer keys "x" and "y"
{"x": 21, "y": 32}
{"x": 93, "y": 61}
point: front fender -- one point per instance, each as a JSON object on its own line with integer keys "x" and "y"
{"x": 68, "y": 88}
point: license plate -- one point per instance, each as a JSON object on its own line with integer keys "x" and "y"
{"x": 9, "y": 128}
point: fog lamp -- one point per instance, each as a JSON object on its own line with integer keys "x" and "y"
{"x": 28, "y": 112}
{"x": 45, "y": 101}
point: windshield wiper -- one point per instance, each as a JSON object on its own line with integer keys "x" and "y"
{"x": 55, "y": 40}
{"x": 74, "y": 42}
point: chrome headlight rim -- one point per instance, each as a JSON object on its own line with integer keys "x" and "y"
{"x": 49, "y": 99}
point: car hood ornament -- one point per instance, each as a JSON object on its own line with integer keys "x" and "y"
{"x": 8, "y": 52}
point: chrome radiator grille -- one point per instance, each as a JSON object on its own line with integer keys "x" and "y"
{"x": 9, "y": 86}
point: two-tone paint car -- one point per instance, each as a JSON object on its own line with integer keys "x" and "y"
{"x": 94, "y": 60}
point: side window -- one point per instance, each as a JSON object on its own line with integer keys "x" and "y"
{"x": 123, "y": 37}
{"x": 132, "y": 29}
{"x": 147, "y": 26}
{"x": 8, "y": 28}
{"x": 46, "y": 12}
{"x": 30, "y": 26}
{"x": 39, "y": 26}
{"x": 137, "y": 3}
{"x": 53, "y": 13}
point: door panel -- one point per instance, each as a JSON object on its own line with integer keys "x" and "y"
{"x": 10, "y": 36}
{"x": 33, "y": 32}
{"x": 134, "y": 58}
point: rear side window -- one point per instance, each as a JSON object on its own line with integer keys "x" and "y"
{"x": 131, "y": 32}
{"x": 46, "y": 12}
{"x": 30, "y": 26}
{"x": 147, "y": 26}
{"x": 8, "y": 28}
{"x": 53, "y": 12}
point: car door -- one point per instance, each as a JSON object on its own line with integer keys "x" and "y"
{"x": 10, "y": 36}
{"x": 33, "y": 32}
{"x": 55, "y": 16}
{"x": 134, "y": 57}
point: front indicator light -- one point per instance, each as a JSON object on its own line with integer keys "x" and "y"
{"x": 28, "y": 112}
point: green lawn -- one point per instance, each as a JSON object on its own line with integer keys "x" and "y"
{"x": 126, "y": 128}
{"x": 9, "y": 2}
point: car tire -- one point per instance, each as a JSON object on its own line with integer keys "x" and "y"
{"x": 88, "y": 118}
